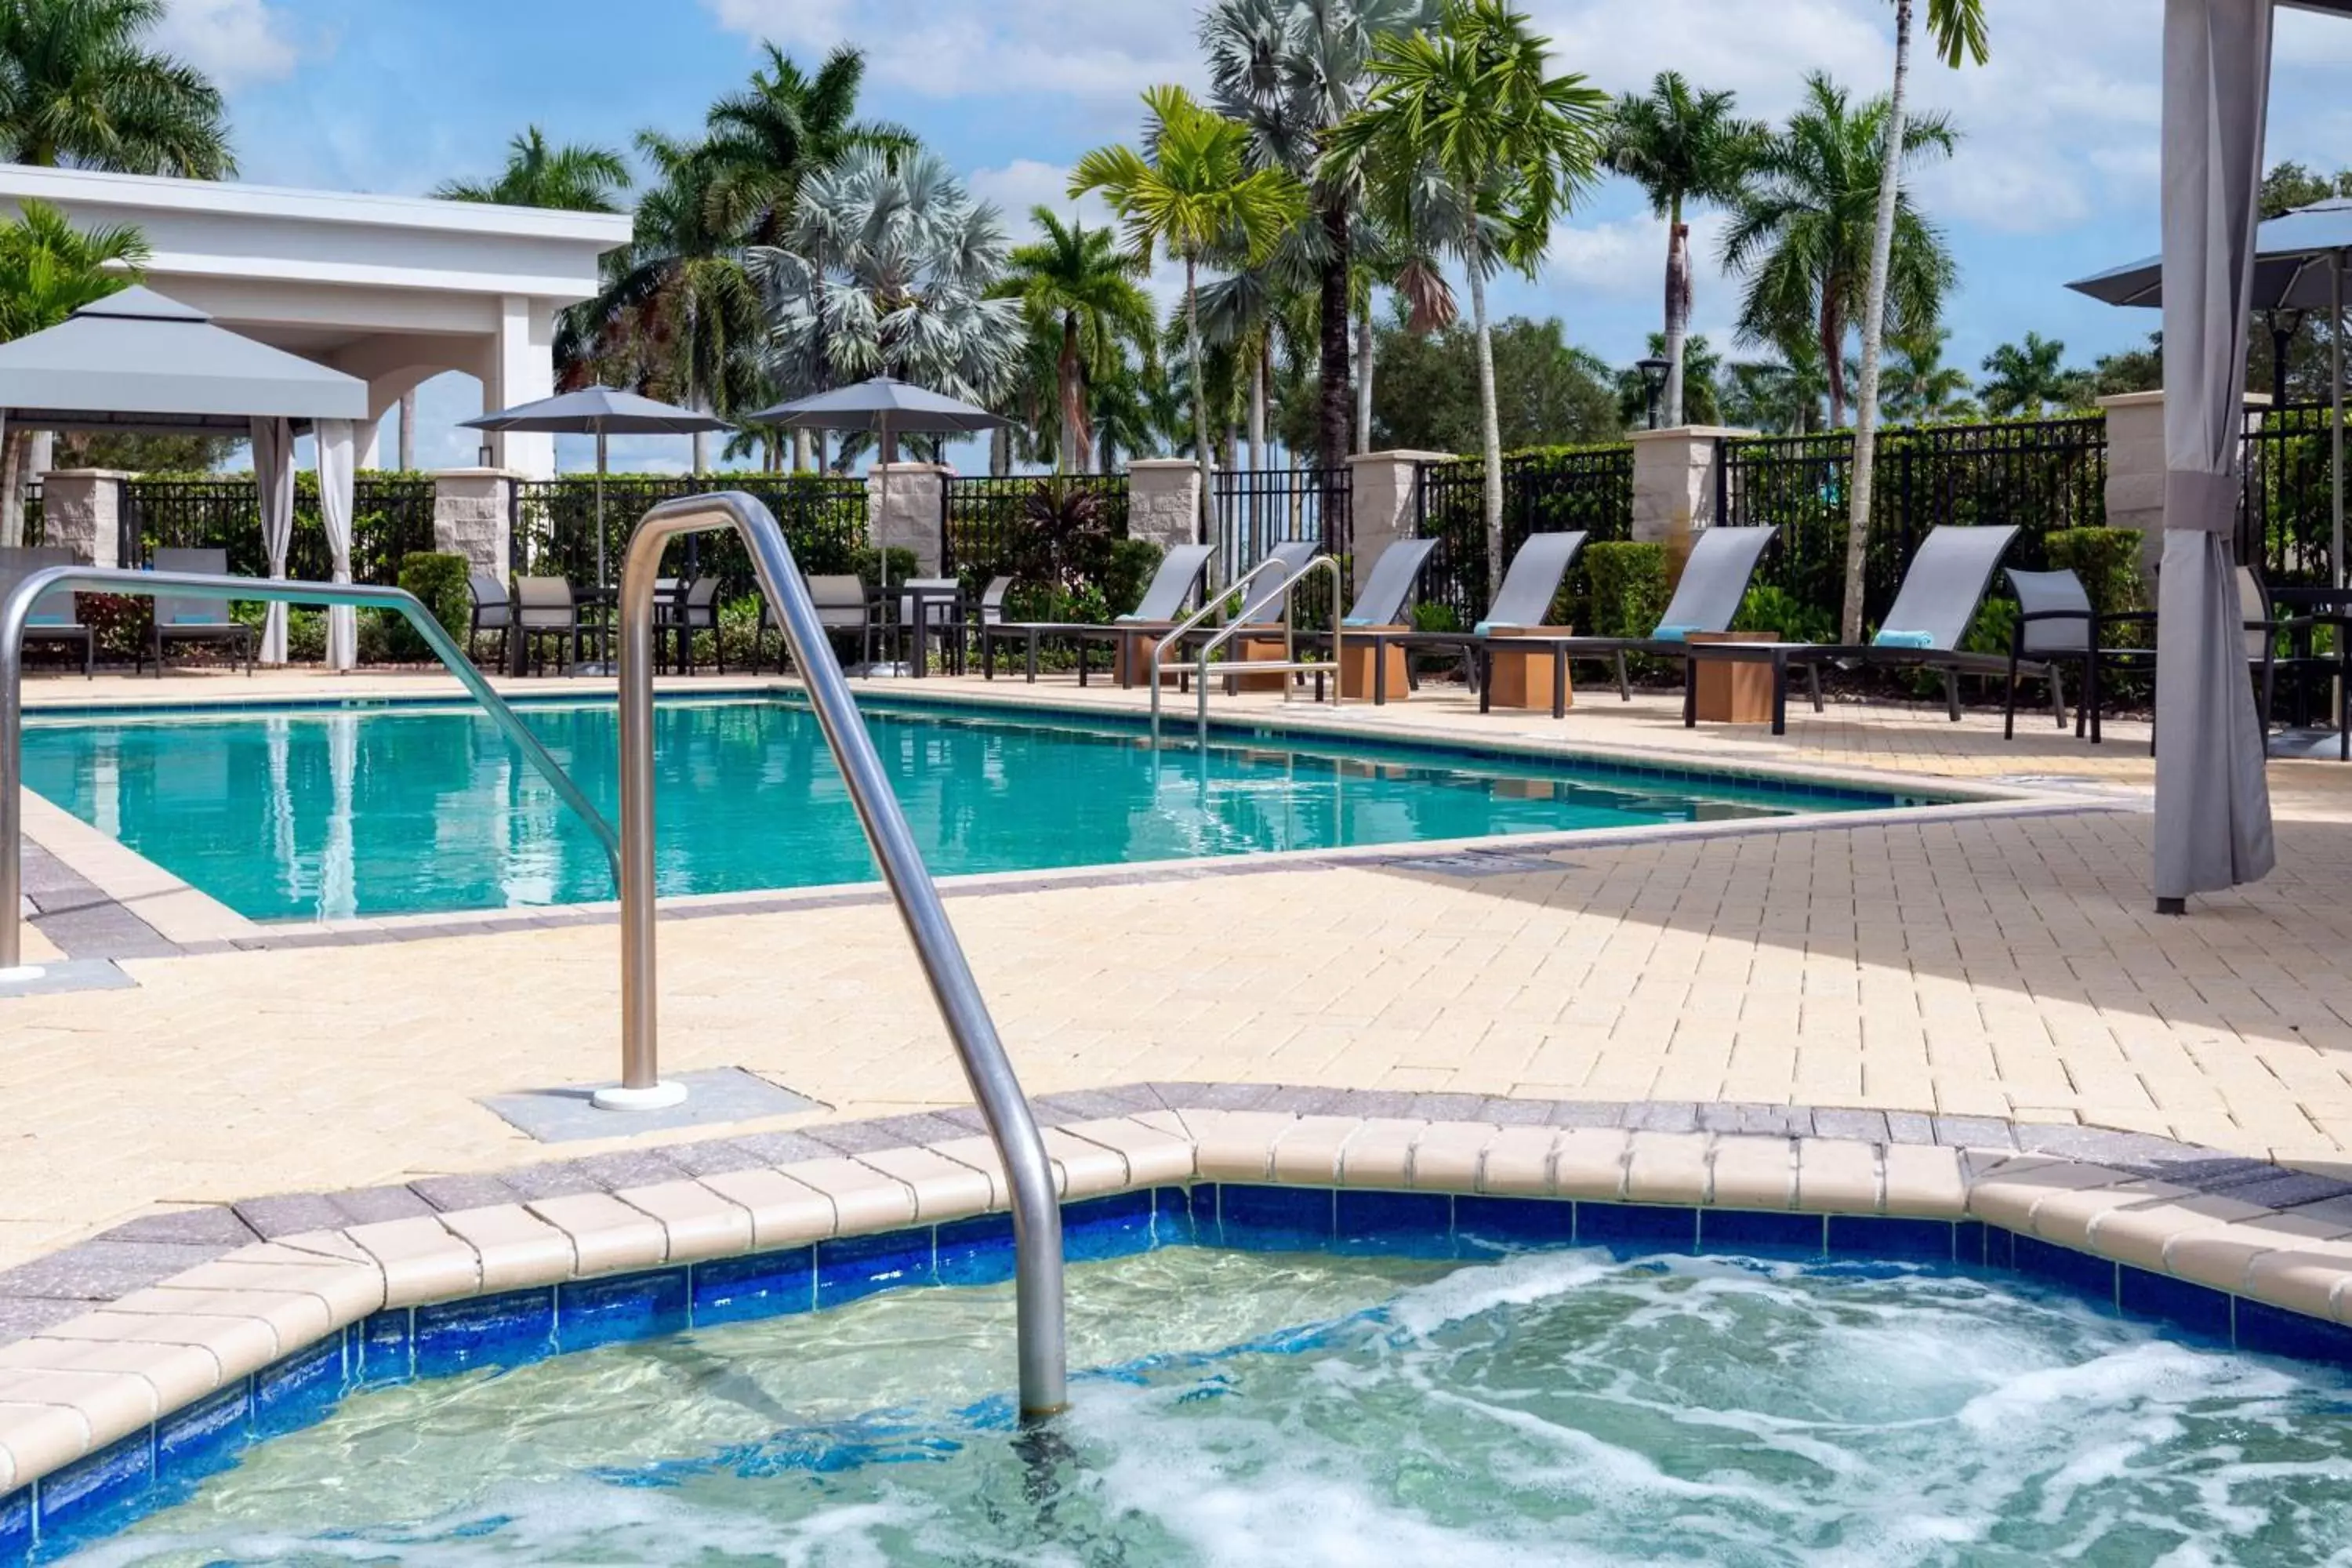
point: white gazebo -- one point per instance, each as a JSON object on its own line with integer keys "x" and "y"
{"x": 390, "y": 290}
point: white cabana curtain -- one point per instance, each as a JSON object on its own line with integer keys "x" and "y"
{"x": 336, "y": 457}
{"x": 273, "y": 473}
{"x": 2212, "y": 803}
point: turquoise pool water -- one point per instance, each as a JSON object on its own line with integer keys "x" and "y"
{"x": 1302, "y": 1410}
{"x": 330, "y": 813}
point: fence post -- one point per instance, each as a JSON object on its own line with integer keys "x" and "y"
{"x": 1386, "y": 502}
{"x": 1679, "y": 485}
{"x": 2135, "y": 467}
{"x": 86, "y": 510}
{"x": 1164, "y": 500}
{"x": 916, "y": 497}
{"x": 473, "y": 516}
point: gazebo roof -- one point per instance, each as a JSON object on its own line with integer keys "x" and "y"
{"x": 138, "y": 361}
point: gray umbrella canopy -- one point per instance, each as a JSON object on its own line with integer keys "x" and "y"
{"x": 2291, "y": 264}
{"x": 137, "y": 361}
{"x": 598, "y": 411}
{"x": 884, "y": 404}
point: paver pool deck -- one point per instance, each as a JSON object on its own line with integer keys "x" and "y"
{"x": 2004, "y": 965}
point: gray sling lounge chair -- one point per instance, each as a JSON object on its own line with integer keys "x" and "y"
{"x": 1172, "y": 588}
{"x": 1714, "y": 584}
{"x": 57, "y": 617}
{"x": 1942, "y": 592}
{"x": 1395, "y": 579}
{"x": 1530, "y": 584}
{"x": 196, "y": 620}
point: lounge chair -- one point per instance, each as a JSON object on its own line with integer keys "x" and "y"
{"x": 1172, "y": 586}
{"x": 493, "y": 611}
{"x": 1530, "y": 584}
{"x": 194, "y": 620}
{"x": 1714, "y": 586}
{"x": 57, "y": 618}
{"x": 1395, "y": 579}
{"x": 543, "y": 608}
{"x": 1941, "y": 592}
{"x": 2057, "y": 625}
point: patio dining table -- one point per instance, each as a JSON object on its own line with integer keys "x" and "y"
{"x": 2330, "y": 607}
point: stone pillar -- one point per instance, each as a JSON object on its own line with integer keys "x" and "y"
{"x": 523, "y": 362}
{"x": 1164, "y": 500}
{"x": 2135, "y": 467}
{"x": 81, "y": 511}
{"x": 909, "y": 514}
{"x": 1677, "y": 477}
{"x": 473, "y": 516}
{"x": 1385, "y": 505}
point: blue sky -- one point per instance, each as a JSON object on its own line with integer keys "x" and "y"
{"x": 2056, "y": 177}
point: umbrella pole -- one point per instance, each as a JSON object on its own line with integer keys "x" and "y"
{"x": 2335, "y": 410}
{"x": 601, "y": 573}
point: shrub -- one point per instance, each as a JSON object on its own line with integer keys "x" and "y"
{"x": 1127, "y": 571}
{"x": 1771, "y": 609}
{"x": 1629, "y": 587}
{"x": 867, "y": 562}
{"x": 2105, "y": 559}
{"x": 118, "y": 622}
{"x": 439, "y": 580}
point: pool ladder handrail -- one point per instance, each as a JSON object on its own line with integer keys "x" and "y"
{"x": 1012, "y": 1126}
{"x": 1287, "y": 665}
{"x": 1175, "y": 638}
{"x": 16, "y": 614}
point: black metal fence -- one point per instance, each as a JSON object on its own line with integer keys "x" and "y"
{"x": 2287, "y": 525}
{"x": 1554, "y": 491}
{"x": 984, "y": 520}
{"x": 2042, "y": 475}
{"x": 392, "y": 516}
{"x": 1257, "y": 509}
{"x": 554, "y": 531}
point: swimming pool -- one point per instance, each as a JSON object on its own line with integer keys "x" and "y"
{"x": 324, "y": 812}
{"x": 1296, "y": 1407}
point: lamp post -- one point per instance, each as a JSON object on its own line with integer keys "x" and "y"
{"x": 2284, "y": 324}
{"x": 1654, "y": 382}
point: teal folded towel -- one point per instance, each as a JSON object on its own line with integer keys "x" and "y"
{"x": 1904, "y": 639}
{"x": 1675, "y": 634}
{"x": 48, "y": 618}
{"x": 1488, "y": 628}
{"x": 1359, "y": 621}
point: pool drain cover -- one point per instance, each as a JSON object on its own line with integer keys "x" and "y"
{"x": 713, "y": 1098}
{"x": 1479, "y": 863}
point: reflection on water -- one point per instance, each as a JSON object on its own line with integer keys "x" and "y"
{"x": 332, "y": 813}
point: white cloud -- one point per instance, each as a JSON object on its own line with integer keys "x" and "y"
{"x": 235, "y": 42}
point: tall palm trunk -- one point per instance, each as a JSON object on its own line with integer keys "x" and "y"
{"x": 1200, "y": 396}
{"x": 1490, "y": 423}
{"x": 1364, "y": 375}
{"x": 12, "y": 488}
{"x": 1678, "y": 310}
{"x": 1832, "y": 347}
{"x": 408, "y": 431}
{"x": 800, "y": 452}
{"x": 1260, "y": 353}
{"x": 1873, "y": 331}
{"x": 1073, "y": 452}
{"x": 1332, "y": 402}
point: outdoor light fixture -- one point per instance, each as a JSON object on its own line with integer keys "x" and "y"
{"x": 1654, "y": 382}
{"x": 2284, "y": 324}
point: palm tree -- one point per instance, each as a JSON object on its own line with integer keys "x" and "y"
{"x": 1412, "y": 274}
{"x": 1291, "y": 70}
{"x": 2025, "y": 379}
{"x": 49, "y": 269}
{"x": 77, "y": 89}
{"x": 1958, "y": 26}
{"x": 1191, "y": 189}
{"x": 1076, "y": 286}
{"x": 1920, "y": 385}
{"x": 787, "y": 125}
{"x": 1465, "y": 138}
{"x": 572, "y": 178}
{"x": 1801, "y": 231}
{"x": 1681, "y": 146}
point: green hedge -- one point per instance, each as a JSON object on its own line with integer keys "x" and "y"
{"x": 1629, "y": 587}
{"x": 439, "y": 580}
{"x": 2106, "y": 560}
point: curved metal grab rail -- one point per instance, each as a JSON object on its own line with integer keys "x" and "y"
{"x": 1036, "y": 1210}
{"x": 1191, "y": 624}
{"x": 1289, "y": 642}
{"x": 15, "y": 612}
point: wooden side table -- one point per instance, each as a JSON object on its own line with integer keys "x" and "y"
{"x": 1132, "y": 664}
{"x": 1732, "y": 691}
{"x": 1362, "y": 676}
{"x": 1252, "y": 647}
{"x": 1523, "y": 677}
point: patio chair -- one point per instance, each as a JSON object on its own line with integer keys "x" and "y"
{"x": 1172, "y": 588}
{"x": 1714, "y": 586}
{"x": 543, "y": 608}
{"x": 493, "y": 611}
{"x": 57, "y": 618}
{"x": 1942, "y": 591}
{"x": 1530, "y": 586}
{"x": 185, "y": 620}
{"x": 2057, "y": 625}
{"x": 845, "y": 607}
{"x": 911, "y": 632}
{"x": 2264, "y": 626}
{"x": 1382, "y": 605}
{"x": 684, "y": 612}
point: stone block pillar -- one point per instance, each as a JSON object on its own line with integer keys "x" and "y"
{"x": 2135, "y": 467}
{"x": 909, "y": 514}
{"x": 473, "y": 516}
{"x": 1164, "y": 500}
{"x": 1677, "y": 476}
{"x": 1385, "y": 504}
{"x": 81, "y": 511}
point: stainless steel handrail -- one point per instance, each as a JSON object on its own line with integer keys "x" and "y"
{"x": 16, "y": 609}
{"x": 1037, "y": 1211}
{"x": 1162, "y": 641}
{"x": 1289, "y": 643}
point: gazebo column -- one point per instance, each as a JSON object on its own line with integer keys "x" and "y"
{"x": 522, "y": 370}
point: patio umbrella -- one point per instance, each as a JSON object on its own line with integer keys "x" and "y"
{"x": 2212, "y": 802}
{"x": 598, "y": 411}
{"x": 890, "y": 408}
{"x": 2300, "y": 262}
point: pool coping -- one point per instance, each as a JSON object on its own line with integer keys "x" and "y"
{"x": 208, "y": 1308}
{"x": 199, "y": 924}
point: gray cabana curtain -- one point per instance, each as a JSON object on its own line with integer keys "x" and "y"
{"x": 273, "y": 476}
{"x": 2212, "y": 804}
